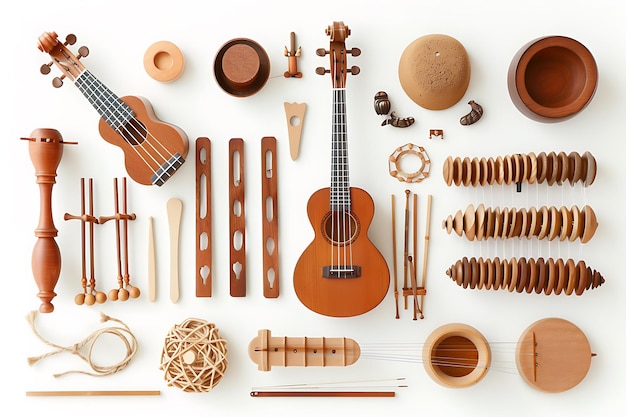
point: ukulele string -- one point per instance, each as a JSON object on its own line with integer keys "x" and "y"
{"x": 341, "y": 206}
{"x": 94, "y": 90}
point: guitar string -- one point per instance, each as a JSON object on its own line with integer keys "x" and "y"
{"x": 88, "y": 89}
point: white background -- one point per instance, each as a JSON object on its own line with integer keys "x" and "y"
{"x": 119, "y": 32}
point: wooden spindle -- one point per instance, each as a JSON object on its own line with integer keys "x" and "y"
{"x": 46, "y": 150}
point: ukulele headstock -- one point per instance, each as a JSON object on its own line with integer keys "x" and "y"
{"x": 62, "y": 57}
{"x": 338, "y": 33}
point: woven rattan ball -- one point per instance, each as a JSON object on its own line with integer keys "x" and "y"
{"x": 194, "y": 356}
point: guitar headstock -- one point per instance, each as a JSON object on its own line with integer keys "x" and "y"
{"x": 62, "y": 57}
{"x": 338, "y": 33}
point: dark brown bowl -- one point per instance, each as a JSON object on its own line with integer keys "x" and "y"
{"x": 553, "y": 78}
{"x": 242, "y": 67}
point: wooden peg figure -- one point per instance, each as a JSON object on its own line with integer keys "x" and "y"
{"x": 292, "y": 55}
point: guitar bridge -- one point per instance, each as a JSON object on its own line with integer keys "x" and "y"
{"x": 353, "y": 271}
{"x": 166, "y": 170}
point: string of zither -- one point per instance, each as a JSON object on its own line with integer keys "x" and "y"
{"x": 450, "y": 355}
{"x": 123, "y": 333}
{"x": 116, "y": 109}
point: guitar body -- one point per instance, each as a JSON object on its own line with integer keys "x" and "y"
{"x": 341, "y": 296}
{"x": 164, "y": 139}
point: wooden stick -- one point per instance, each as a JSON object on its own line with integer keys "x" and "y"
{"x": 393, "y": 242}
{"x": 174, "y": 212}
{"x": 406, "y": 246}
{"x": 426, "y": 243}
{"x": 204, "y": 216}
{"x": 414, "y": 269}
{"x": 237, "y": 220}
{"x": 269, "y": 204}
{"x": 322, "y": 394}
{"x": 88, "y": 393}
{"x": 151, "y": 261}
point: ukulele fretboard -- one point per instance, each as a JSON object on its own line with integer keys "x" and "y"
{"x": 340, "y": 178}
{"x": 113, "y": 110}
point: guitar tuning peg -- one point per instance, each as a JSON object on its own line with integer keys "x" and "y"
{"x": 58, "y": 81}
{"x": 354, "y": 70}
{"x": 321, "y": 52}
{"x": 354, "y": 51}
{"x": 321, "y": 70}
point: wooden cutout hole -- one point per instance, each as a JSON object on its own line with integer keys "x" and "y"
{"x": 269, "y": 208}
{"x": 202, "y": 157}
{"x": 237, "y": 269}
{"x": 271, "y": 277}
{"x": 204, "y": 241}
{"x": 270, "y": 245}
{"x": 237, "y": 208}
{"x": 294, "y": 121}
{"x": 269, "y": 172}
{"x": 204, "y": 273}
{"x": 204, "y": 201}
{"x": 236, "y": 174}
{"x": 237, "y": 240}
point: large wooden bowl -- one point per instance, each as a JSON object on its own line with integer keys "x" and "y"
{"x": 552, "y": 78}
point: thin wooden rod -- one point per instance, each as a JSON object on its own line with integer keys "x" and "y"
{"x": 426, "y": 244}
{"x": 322, "y": 394}
{"x": 406, "y": 246}
{"x": 88, "y": 393}
{"x": 395, "y": 260}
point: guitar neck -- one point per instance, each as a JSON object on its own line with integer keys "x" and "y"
{"x": 340, "y": 172}
{"x": 114, "y": 111}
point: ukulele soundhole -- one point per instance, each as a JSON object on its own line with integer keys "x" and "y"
{"x": 340, "y": 227}
{"x": 134, "y": 132}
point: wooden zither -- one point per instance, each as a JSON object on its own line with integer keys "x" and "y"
{"x": 562, "y": 223}
{"x": 547, "y": 276}
{"x": 551, "y": 355}
{"x": 518, "y": 168}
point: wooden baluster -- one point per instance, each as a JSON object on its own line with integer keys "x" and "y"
{"x": 46, "y": 150}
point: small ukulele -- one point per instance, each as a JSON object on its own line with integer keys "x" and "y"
{"x": 341, "y": 273}
{"x": 153, "y": 150}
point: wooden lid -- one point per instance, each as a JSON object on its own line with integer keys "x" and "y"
{"x": 552, "y": 78}
{"x": 434, "y": 71}
{"x": 242, "y": 67}
{"x": 164, "y": 61}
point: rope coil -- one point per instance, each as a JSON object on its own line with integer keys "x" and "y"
{"x": 124, "y": 333}
{"x": 194, "y": 356}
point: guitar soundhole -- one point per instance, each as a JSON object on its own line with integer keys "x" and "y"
{"x": 340, "y": 227}
{"x": 134, "y": 132}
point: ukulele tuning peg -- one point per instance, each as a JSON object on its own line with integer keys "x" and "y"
{"x": 83, "y": 51}
{"x": 321, "y": 52}
{"x": 45, "y": 68}
{"x": 321, "y": 70}
{"x": 354, "y": 70}
{"x": 354, "y": 51}
{"x": 70, "y": 39}
{"x": 57, "y": 81}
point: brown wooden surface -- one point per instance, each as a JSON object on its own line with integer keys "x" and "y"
{"x": 269, "y": 211}
{"x": 204, "y": 218}
{"x": 237, "y": 218}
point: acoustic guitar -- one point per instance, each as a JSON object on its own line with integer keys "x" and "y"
{"x": 341, "y": 273}
{"x": 153, "y": 150}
